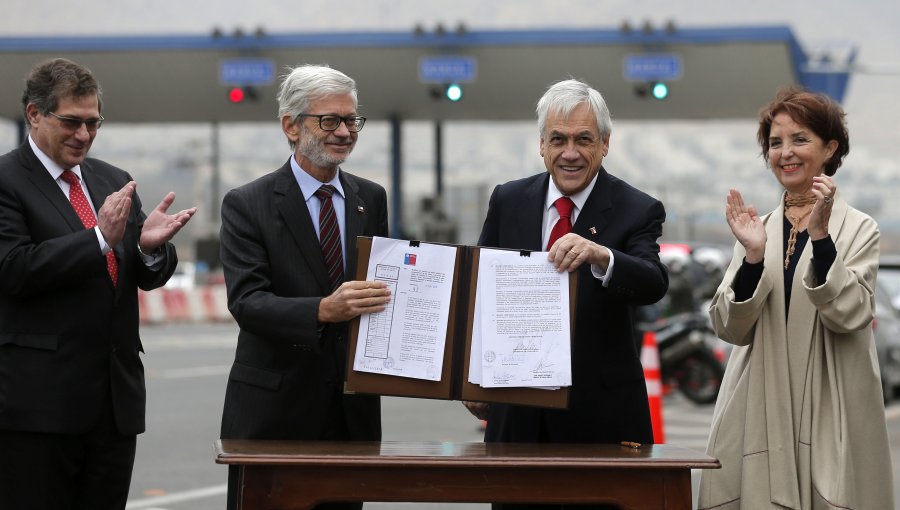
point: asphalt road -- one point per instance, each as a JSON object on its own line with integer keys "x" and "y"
{"x": 187, "y": 367}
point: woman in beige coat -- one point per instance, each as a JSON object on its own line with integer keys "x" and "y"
{"x": 799, "y": 422}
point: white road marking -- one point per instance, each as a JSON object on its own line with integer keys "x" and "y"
{"x": 196, "y": 342}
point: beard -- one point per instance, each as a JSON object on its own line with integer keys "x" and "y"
{"x": 313, "y": 148}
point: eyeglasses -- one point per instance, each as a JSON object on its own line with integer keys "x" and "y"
{"x": 74, "y": 123}
{"x": 329, "y": 122}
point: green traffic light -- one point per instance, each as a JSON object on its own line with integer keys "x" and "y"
{"x": 454, "y": 92}
{"x": 660, "y": 90}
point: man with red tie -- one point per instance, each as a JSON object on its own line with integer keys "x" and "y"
{"x": 74, "y": 248}
{"x": 605, "y": 230}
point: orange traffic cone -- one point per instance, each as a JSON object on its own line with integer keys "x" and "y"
{"x": 650, "y": 361}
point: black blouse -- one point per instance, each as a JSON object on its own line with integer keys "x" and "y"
{"x": 748, "y": 276}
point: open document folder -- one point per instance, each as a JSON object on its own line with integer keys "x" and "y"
{"x": 464, "y": 323}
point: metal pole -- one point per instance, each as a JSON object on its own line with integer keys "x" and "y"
{"x": 396, "y": 214}
{"x": 214, "y": 180}
{"x": 438, "y": 158}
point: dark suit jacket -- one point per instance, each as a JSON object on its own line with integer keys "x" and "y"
{"x": 288, "y": 367}
{"x": 608, "y": 397}
{"x": 68, "y": 338}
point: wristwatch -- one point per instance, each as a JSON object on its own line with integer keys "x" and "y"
{"x": 155, "y": 253}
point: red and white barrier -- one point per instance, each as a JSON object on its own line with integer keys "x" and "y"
{"x": 200, "y": 304}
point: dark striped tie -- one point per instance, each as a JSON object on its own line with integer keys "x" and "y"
{"x": 330, "y": 236}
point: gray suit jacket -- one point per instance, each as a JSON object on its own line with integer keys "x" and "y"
{"x": 287, "y": 366}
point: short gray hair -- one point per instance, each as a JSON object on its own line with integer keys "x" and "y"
{"x": 306, "y": 83}
{"x": 564, "y": 96}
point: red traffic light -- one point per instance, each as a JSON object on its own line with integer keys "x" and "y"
{"x": 236, "y": 94}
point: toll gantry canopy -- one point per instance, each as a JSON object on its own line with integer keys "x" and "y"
{"x": 708, "y": 73}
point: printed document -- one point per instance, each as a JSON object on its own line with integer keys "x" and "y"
{"x": 408, "y": 338}
{"x": 521, "y": 324}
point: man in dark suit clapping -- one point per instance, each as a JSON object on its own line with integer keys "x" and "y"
{"x": 605, "y": 230}
{"x": 74, "y": 248}
{"x": 288, "y": 244}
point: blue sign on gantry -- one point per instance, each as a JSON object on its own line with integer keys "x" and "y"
{"x": 447, "y": 69}
{"x": 652, "y": 66}
{"x": 246, "y": 71}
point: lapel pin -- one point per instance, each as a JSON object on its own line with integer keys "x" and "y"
{"x": 360, "y": 209}
{"x": 593, "y": 230}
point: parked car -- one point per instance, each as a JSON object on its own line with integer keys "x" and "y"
{"x": 887, "y": 340}
{"x": 889, "y": 275}
{"x": 184, "y": 276}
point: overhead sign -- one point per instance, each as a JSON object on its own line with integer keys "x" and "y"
{"x": 652, "y": 66}
{"x": 448, "y": 69}
{"x": 246, "y": 71}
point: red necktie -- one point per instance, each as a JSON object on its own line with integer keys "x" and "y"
{"x": 564, "y": 224}
{"x": 330, "y": 236}
{"x": 84, "y": 211}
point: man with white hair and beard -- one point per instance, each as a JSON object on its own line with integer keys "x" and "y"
{"x": 288, "y": 240}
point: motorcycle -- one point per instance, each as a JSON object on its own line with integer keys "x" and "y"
{"x": 687, "y": 358}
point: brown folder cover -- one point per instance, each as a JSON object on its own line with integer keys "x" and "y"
{"x": 454, "y": 383}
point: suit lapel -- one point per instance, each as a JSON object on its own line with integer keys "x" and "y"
{"x": 98, "y": 185}
{"x": 595, "y": 217}
{"x": 354, "y": 223}
{"x": 531, "y": 218}
{"x": 289, "y": 202}
{"x": 40, "y": 177}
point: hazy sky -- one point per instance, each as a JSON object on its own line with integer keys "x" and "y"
{"x": 871, "y": 25}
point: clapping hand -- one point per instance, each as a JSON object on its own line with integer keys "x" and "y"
{"x": 746, "y": 226}
{"x": 160, "y": 227}
{"x": 824, "y": 189}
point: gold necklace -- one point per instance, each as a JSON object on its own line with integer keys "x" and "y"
{"x": 790, "y": 202}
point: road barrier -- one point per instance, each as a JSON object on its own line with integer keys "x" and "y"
{"x": 200, "y": 304}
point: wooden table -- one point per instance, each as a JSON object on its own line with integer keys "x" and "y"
{"x": 297, "y": 475}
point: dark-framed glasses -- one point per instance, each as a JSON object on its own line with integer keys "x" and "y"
{"x": 74, "y": 123}
{"x": 329, "y": 122}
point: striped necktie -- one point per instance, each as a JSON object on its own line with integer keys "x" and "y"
{"x": 330, "y": 236}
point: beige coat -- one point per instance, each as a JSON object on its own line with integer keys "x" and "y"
{"x": 799, "y": 422}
